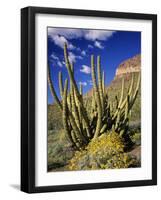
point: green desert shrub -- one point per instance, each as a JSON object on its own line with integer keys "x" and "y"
{"x": 136, "y": 138}
{"x": 59, "y": 150}
{"x": 105, "y": 152}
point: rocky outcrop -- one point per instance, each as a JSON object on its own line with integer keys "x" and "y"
{"x": 129, "y": 66}
{"x": 125, "y": 69}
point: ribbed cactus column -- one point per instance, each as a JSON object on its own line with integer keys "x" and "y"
{"x": 98, "y": 100}
{"x": 61, "y": 84}
{"x": 70, "y": 71}
{"x": 65, "y": 114}
{"x": 103, "y": 82}
{"x": 136, "y": 91}
{"x": 100, "y": 82}
{"x": 119, "y": 104}
{"x": 83, "y": 110}
{"x": 52, "y": 89}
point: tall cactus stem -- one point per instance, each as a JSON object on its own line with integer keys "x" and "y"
{"x": 70, "y": 71}
{"x": 100, "y": 82}
{"x": 127, "y": 107}
{"x": 65, "y": 113}
{"x": 61, "y": 84}
{"x": 81, "y": 89}
{"x": 103, "y": 82}
{"x": 122, "y": 93}
{"x": 131, "y": 85}
{"x": 120, "y": 101}
{"x": 53, "y": 92}
{"x": 136, "y": 90}
{"x": 97, "y": 96}
{"x": 68, "y": 65}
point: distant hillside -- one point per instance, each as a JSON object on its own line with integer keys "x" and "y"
{"x": 125, "y": 70}
{"x": 129, "y": 66}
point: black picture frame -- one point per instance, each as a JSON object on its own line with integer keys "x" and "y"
{"x": 28, "y": 98}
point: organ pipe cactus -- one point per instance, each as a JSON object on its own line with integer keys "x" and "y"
{"x": 97, "y": 97}
{"x": 84, "y": 121}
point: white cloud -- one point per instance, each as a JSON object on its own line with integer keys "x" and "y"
{"x": 78, "y": 49}
{"x": 98, "y": 35}
{"x": 90, "y": 46}
{"x": 85, "y": 69}
{"x": 79, "y": 57}
{"x": 72, "y": 57}
{"x": 68, "y": 33}
{"x": 70, "y": 46}
{"x": 83, "y": 83}
{"x": 60, "y": 41}
{"x": 98, "y": 44}
{"x": 61, "y": 35}
{"x": 59, "y": 64}
{"x": 56, "y": 61}
{"x": 83, "y": 53}
{"x": 53, "y": 56}
{"x": 78, "y": 33}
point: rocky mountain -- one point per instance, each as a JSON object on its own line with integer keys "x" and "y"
{"x": 125, "y": 69}
{"x": 129, "y": 66}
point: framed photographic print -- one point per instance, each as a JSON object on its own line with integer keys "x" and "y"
{"x": 88, "y": 99}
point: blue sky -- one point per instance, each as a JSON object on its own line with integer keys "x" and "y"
{"x": 113, "y": 47}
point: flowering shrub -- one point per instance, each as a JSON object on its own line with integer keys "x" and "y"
{"x": 105, "y": 152}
